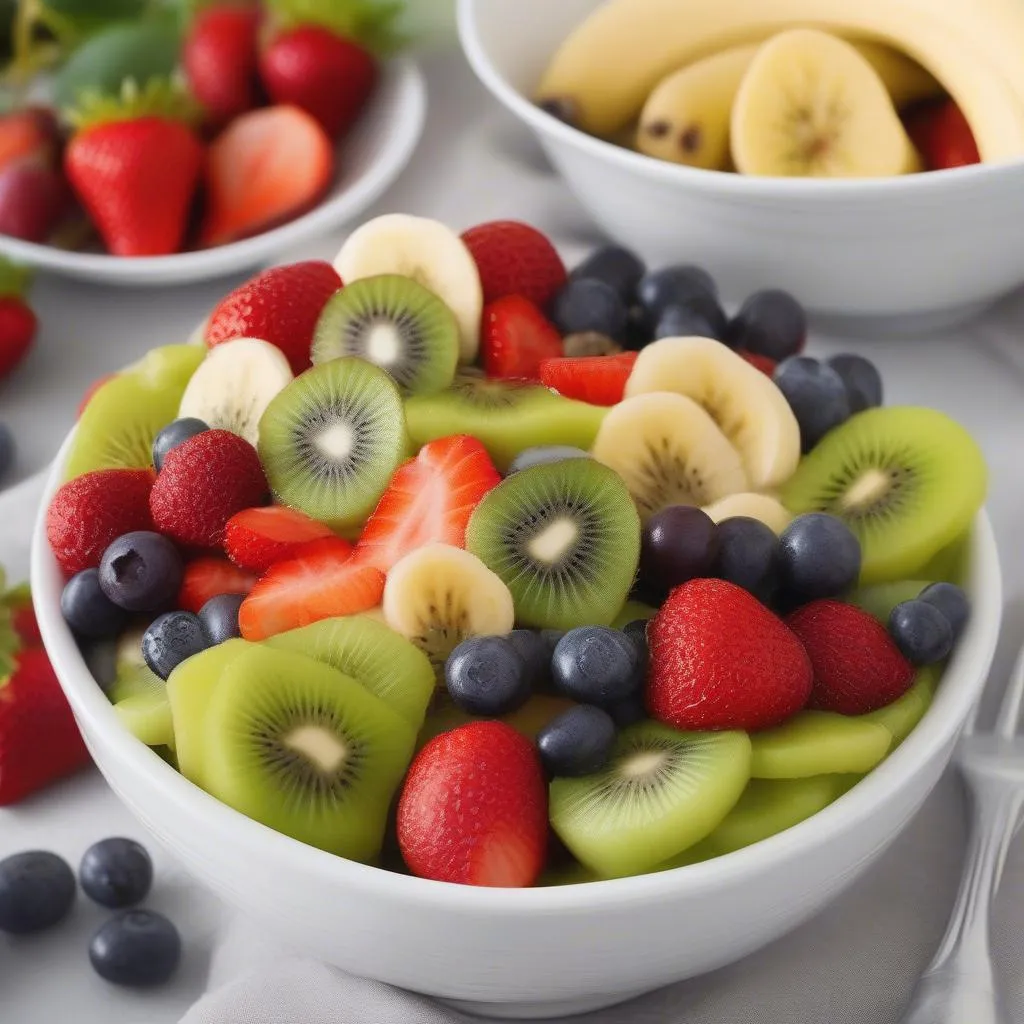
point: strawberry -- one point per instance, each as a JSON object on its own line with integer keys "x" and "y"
{"x": 474, "y": 808}
{"x": 429, "y": 500}
{"x": 321, "y": 582}
{"x": 516, "y": 338}
{"x": 203, "y": 482}
{"x": 720, "y": 660}
{"x": 18, "y": 603}
{"x": 90, "y": 512}
{"x": 210, "y": 576}
{"x": 942, "y": 135}
{"x": 39, "y": 740}
{"x": 18, "y": 324}
{"x": 257, "y": 538}
{"x": 760, "y": 362}
{"x": 600, "y": 380}
{"x": 220, "y": 58}
{"x": 281, "y": 305}
{"x": 31, "y": 134}
{"x": 515, "y": 259}
{"x": 267, "y": 167}
{"x": 33, "y": 201}
{"x": 135, "y": 167}
{"x": 857, "y": 666}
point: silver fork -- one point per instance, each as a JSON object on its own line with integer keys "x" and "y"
{"x": 959, "y": 985}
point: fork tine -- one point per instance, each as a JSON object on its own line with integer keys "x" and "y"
{"x": 1008, "y": 720}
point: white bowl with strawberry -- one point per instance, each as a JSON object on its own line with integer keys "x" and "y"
{"x": 531, "y": 698}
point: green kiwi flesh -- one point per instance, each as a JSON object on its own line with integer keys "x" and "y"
{"x": 169, "y": 366}
{"x": 878, "y": 601}
{"x": 564, "y": 538}
{"x": 331, "y": 440}
{"x": 140, "y": 700}
{"x": 908, "y": 481}
{"x": 304, "y": 749}
{"x": 396, "y": 324}
{"x": 662, "y": 792}
{"x": 902, "y": 715}
{"x": 632, "y": 611}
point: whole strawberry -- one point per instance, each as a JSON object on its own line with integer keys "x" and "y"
{"x": 220, "y": 57}
{"x": 515, "y": 259}
{"x": 135, "y": 164}
{"x": 720, "y": 660}
{"x": 18, "y": 324}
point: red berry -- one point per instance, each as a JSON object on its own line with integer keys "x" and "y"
{"x": 33, "y": 200}
{"x": 473, "y": 809}
{"x": 211, "y": 576}
{"x": 90, "y": 512}
{"x": 220, "y": 58}
{"x": 18, "y": 602}
{"x": 515, "y": 259}
{"x": 857, "y": 666}
{"x": 721, "y": 660}
{"x": 516, "y": 338}
{"x": 600, "y": 380}
{"x": 18, "y": 327}
{"x": 942, "y": 135}
{"x": 256, "y": 538}
{"x": 203, "y": 482}
{"x": 281, "y": 305}
{"x": 762, "y": 363}
{"x": 30, "y": 134}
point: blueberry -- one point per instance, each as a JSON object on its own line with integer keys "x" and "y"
{"x": 617, "y": 267}
{"x": 771, "y": 323}
{"x": 639, "y": 328}
{"x": 7, "y": 451}
{"x": 116, "y": 873}
{"x": 921, "y": 632}
{"x": 535, "y": 651}
{"x": 819, "y": 556}
{"x": 543, "y": 454}
{"x": 816, "y": 394}
{"x": 136, "y": 948}
{"x": 142, "y": 572}
{"x": 172, "y": 638}
{"x": 674, "y": 286}
{"x": 578, "y": 742}
{"x": 174, "y": 434}
{"x": 862, "y": 379}
{"x": 587, "y": 305}
{"x": 486, "y": 675}
{"x": 219, "y": 618}
{"x": 596, "y": 665}
{"x": 747, "y": 552}
{"x": 101, "y": 659}
{"x": 551, "y": 638}
{"x": 683, "y": 322}
{"x": 629, "y": 711}
{"x": 637, "y": 632}
{"x": 87, "y": 610}
{"x": 37, "y": 890}
{"x": 951, "y": 601}
{"x": 679, "y": 543}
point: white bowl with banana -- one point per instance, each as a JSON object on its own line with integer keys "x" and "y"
{"x": 775, "y": 140}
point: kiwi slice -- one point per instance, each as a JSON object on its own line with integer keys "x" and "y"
{"x": 902, "y": 715}
{"x": 306, "y": 750}
{"x": 396, "y": 324}
{"x": 505, "y": 416}
{"x": 662, "y": 792}
{"x": 819, "y": 743}
{"x": 140, "y": 700}
{"x": 878, "y": 601}
{"x": 951, "y": 563}
{"x": 565, "y": 539}
{"x": 169, "y": 366}
{"x": 387, "y": 664}
{"x": 567, "y": 874}
{"x": 908, "y": 481}
{"x": 631, "y": 611}
{"x": 331, "y": 440}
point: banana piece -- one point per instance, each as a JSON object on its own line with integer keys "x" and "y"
{"x": 761, "y": 507}
{"x": 810, "y": 106}
{"x": 234, "y": 385}
{"x": 748, "y": 408}
{"x": 645, "y": 40}
{"x": 427, "y": 251}
{"x": 438, "y": 595}
{"x": 905, "y": 80}
{"x": 668, "y": 451}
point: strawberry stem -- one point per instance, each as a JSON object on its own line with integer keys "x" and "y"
{"x": 14, "y": 282}
{"x": 371, "y": 23}
{"x": 164, "y": 98}
{"x": 9, "y": 642}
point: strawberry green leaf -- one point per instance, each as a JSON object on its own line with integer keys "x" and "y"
{"x": 159, "y": 97}
{"x": 9, "y": 642}
{"x": 14, "y": 281}
{"x": 371, "y": 23}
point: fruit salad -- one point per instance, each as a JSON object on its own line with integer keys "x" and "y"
{"x": 448, "y": 560}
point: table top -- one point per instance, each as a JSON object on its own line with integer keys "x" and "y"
{"x": 474, "y": 164}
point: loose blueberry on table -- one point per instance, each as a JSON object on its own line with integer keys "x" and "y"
{"x": 653, "y": 599}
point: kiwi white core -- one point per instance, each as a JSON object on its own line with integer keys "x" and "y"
{"x": 323, "y": 748}
{"x": 335, "y": 441}
{"x": 384, "y": 343}
{"x": 867, "y": 489}
{"x": 642, "y": 764}
{"x": 553, "y": 541}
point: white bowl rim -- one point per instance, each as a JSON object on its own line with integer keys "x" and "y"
{"x": 394, "y": 153}
{"x": 700, "y": 180}
{"x": 945, "y": 717}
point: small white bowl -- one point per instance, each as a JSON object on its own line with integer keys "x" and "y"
{"x": 903, "y": 254}
{"x": 514, "y": 953}
{"x": 370, "y": 159}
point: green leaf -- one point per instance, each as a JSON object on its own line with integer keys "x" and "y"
{"x": 9, "y": 642}
{"x": 159, "y": 97}
{"x": 85, "y": 16}
{"x": 14, "y": 281}
{"x": 372, "y": 23}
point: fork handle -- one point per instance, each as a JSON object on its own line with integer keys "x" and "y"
{"x": 959, "y": 985}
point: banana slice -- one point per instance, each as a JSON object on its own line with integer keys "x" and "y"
{"x": 234, "y": 385}
{"x": 750, "y": 410}
{"x": 811, "y": 106}
{"x": 438, "y": 595}
{"x": 761, "y": 507}
{"x": 668, "y": 451}
{"x": 427, "y": 251}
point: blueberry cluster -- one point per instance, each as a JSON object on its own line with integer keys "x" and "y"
{"x": 927, "y": 628}
{"x": 600, "y": 668}
{"x": 136, "y": 947}
{"x": 6, "y": 451}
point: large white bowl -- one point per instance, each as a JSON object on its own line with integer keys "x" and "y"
{"x": 369, "y": 161}
{"x": 536, "y": 952}
{"x": 898, "y": 254}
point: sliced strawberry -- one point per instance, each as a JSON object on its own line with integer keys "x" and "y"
{"x": 516, "y": 338}
{"x": 760, "y": 362}
{"x": 600, "y": 380}
{"x": 320, "y": 583}
{"x": 211, "y": 576}
{"x": 256, "y": 538}
{"x": 429, "y": 500}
